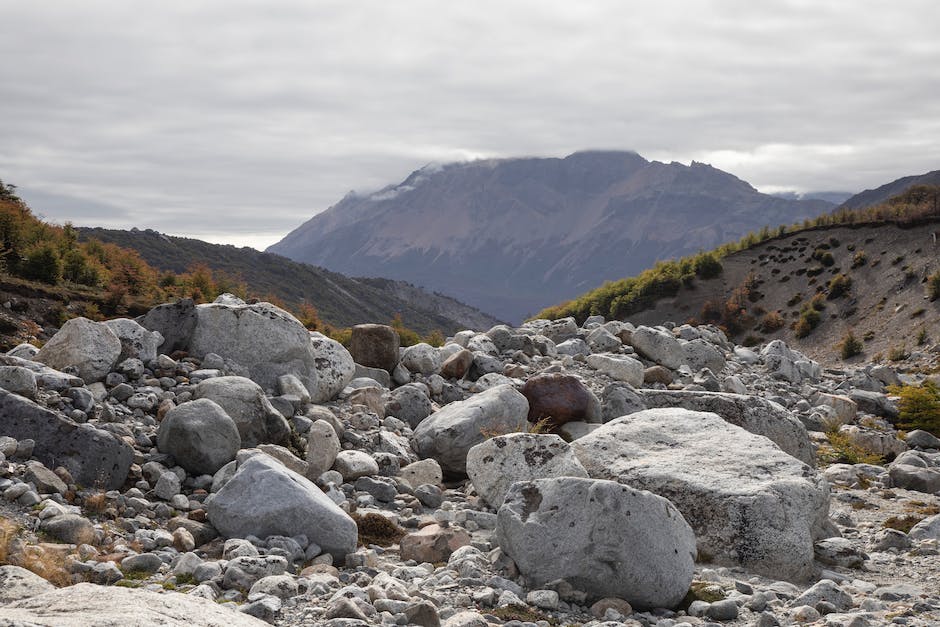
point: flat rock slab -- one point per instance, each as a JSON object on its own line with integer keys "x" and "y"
{"x": 757, "y": 415}
{"x": 748, "y": 501}
{"x": 95, "y": 458}
{"x": 87, "y": 605}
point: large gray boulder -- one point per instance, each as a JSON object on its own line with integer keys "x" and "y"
{"x": 497, "y": 463}
{"x": 604, "y": 538}
{"x": 916, "y": 470}
{"x": 750, "y": 503}
{"x": 618, "y": 367}
{"x": 95, "y": 458}
{"x": 174, "y": 321}
{"x": 264, "y": 339}
{"x": 659, "y": 346}
{"x": 263, "y": 498}
{"x": 18, "y": 583}
{"x": 787, "y": 364}
{"x": 335, "y": 367}
{"x": 757, "y": 415}
{"x": 410, "y": 404}
{"x": 136, "y": 341}
{"x": 86, "y": 604}
{"x": 449, "y": 433}
{"x": 422, "y": 358}
{"x": 619, "y": 399}
{"x": 199, "y": 435}
{"x": 700, "y": 354}
{"x": 90, "y": 347}
{"x": 245, "y": 403}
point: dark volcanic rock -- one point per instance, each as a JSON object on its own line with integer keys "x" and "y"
{"x": 92, "y": 456}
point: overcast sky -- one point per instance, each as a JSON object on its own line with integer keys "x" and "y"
{"x": 235, "y": 121}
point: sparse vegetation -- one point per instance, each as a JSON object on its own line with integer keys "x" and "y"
{"x": 842, "y": 450}
{"x": 618, "y": 299}
{"x": 918, "y": 407}
{"x": 902, "y": 523}
{"x": 922, "y": 336}
{"x": 850, "y": 346}
{"x": 898, "y": 353}
{"x": 810, "y": 316}
{"x": 839, "y": 286}
{"x": 933, "y": 286}
{"x": 772, "y": 321}
{"x": 377, "y": 529}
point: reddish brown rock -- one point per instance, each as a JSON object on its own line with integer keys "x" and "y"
{"x": 658, "y": 374}
{"x": 457, "y": 365}
{"x": 559, "y": 398}
{"x": 375, "y": 346}
{"x": 433, "y": 543}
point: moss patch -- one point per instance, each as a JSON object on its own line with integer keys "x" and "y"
{"x": 377, "y": 529}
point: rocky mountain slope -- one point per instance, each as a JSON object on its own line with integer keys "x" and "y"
{"x": 696, "y": 481}
{"x": 870, "y": 280}
{"x": 872, "y": 197}
{"x": 340, "y": 300}
{"x": 512, "y": 236}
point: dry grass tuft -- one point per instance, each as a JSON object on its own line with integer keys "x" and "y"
{"x": 51, "y": 565}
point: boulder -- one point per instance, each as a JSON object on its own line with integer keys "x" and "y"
{"x": 447, "y": 434}
{"x": 89, "y": 604}
{"x": 375, "y": 346}
{"x": 322, "y": 447}
{"x": 433, "y": 543}
{"x": 245, "y": 403}
{"x": 843, "y": 408}
{"x": 263, "y": 498}
{"x": 264, "y": 339}
{"x": 422, "y": 358}
{"x": 497, "y": 463}
{"x": 749, "y": 502}
{"x": 93, "y": 457}
{"x": 757, "y": 415}
{"x": 175, "y": 322}
{"x": 916, "y": 470}
{"x": 18, "y": 583}
{"x": 199, "y": 435}
{"x": 658, "y": 346}
{"x": 618, "y": 367}
{"x": 927, "y": 529}
{"x": 700, "y": 354}
{"x": 19, "y": 380}
{"x": 457, "y": 365}
{"x": 875, "y": 403}
{"x": 136, "y": 341}
{"x": 560, "y": 398}
{"x": 334, "y": 365}
{"x": 921, "y": 439}
{"x": 607, "y": 539}
{"x": 603, "y": 341}
{"x": 883, "y": 444}
{"x": 91, "y": 348}
{"x": 409, "y": 404}
{"x": 787, "y": 364}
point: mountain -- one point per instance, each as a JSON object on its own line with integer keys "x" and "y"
{"x": 871, "y": 197}
{"x": 834, "y": 197}
{"x": 511, "y": 236}
{"x": 340, "y": 300}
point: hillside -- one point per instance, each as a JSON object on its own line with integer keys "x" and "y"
{"x": 512, "y": 236}
{"x": 339, "y": 300}
{"x": 871, "y": 197}
{"x": 872, "y": 278}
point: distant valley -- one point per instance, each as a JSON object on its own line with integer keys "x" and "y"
{"x": 512, "y": 236}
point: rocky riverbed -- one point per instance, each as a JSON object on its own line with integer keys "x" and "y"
{"x": 220, "y": 465}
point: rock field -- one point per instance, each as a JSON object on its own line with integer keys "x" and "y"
{"x": 218, "y": 464}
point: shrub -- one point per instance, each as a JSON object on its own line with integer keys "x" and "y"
{"x": 922, "y": 336}
{"x": 918, "y": 407}
{"x": 859, "y": 259}
{"x": 898, "y": 353}
{"x": 844, "y": 451}
{"x": 42, "y": 263}
{"x": 850, "y": 346}
{"x": 839, "y": 286}
{"x": 706, "y": 266}
{"x": 933, "y": 286}
{"x": 772, "y": 321}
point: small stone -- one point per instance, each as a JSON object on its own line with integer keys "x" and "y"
{"x": 726, "y": 609}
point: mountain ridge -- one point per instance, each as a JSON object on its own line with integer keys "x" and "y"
{"x": 340, "y": 300}
{"x": 515, "y": 235}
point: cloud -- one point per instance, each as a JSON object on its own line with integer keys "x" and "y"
{"x": 240, "y": 118}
